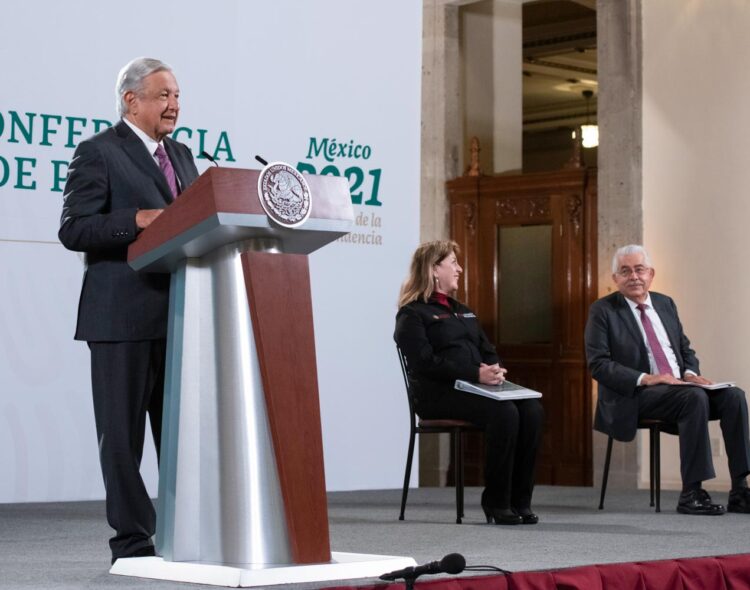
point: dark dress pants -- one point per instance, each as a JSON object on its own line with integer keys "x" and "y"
{"x": 691, "y": 408}
{"x": 512, "y": 429}
{"x": 127, "y": 383}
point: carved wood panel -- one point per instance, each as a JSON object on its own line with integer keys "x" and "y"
{"x": 566, "y": 201}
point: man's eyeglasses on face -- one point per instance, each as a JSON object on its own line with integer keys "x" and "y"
{"x": 640, "y": 271}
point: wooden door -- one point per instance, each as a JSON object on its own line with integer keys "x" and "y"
{"x": 529, "y": 255}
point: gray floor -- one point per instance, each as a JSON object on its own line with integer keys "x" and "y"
{"x": 63, "y": 545}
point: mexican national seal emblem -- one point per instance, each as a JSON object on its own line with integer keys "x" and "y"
{"x": 284, "y": 194}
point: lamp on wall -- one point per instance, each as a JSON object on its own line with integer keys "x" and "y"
{"x": 589, "y": 132}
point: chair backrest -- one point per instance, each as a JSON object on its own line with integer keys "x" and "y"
{"x": 407, "y": 385}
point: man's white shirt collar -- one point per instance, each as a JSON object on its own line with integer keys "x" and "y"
{"x": 634, "y": 306}
{"x": 150, "y": 143}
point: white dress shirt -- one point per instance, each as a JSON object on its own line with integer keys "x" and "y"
{"x": 661, "y": 336}
{"x": 150, "y": 143}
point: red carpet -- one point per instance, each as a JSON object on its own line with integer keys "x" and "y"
{"x": 728, "y": 572}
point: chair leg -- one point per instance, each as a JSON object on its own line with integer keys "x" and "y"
{"x": 461, "y": 470}
{"x": 463, "y": 475}
{"x": 657, "y": 466}
{"x": 407, "y": 474}
{"x": 458, "y": 467}
{"x": 651, "y": 461}
{"x": 605, "y": 475}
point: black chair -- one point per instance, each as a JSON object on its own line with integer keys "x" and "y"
{"x": 455, "y": 428}
{"x": 654, "y": 455}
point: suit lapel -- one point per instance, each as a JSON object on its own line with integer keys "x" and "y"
{"x": 670, "y": 326}
{"x": 137, "y": 152}
{"x": 626, "y": 315}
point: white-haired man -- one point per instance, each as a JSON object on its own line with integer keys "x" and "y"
{"x": 118, "y": 182}
{"x": 638, "y": 353}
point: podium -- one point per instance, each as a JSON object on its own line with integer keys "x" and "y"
{"x": 241, "y": 478}
{"x": 241, "y": 475}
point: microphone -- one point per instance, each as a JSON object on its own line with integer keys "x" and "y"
{"x": 453, "y": 563}
{"x": 209, "y": 158}
{"x": 261, "y": 160}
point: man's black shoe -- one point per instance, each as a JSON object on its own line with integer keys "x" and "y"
{"x": 147, "y": 551}
{"x": 739, "y": 500}
{"x": 698, "y": 502}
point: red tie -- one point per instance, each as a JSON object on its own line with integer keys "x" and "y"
{"x": 166, "y": 168}
{"x": 662, "y": 364}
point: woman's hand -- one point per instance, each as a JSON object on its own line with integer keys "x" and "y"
{"x": 491, "y": 374}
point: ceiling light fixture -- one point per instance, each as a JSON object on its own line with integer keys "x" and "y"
{"x": 589, "y": 132}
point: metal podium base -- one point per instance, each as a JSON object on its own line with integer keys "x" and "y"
{"x": 343, "y": 566}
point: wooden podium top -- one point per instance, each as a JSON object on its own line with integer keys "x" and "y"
{"x": 222, "y": 206}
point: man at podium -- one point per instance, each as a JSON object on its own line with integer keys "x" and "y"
{"x": 118, "y": 182}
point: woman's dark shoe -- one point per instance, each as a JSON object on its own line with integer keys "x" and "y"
{"x": 527, "y": 516}
{"x": 501, "y": 515}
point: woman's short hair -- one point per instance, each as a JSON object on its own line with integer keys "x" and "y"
{"x": 420, "y": 284}
{"x": 130, "y": 78}
{"x": 627, "y": 251}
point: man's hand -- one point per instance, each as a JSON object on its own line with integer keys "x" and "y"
{"x": 666, "y": 379}
{"x": 697, "y": 379}
{"x": 145, "y": 217}
{"x": 491, "y": 374}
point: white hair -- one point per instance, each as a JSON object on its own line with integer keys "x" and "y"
{"x": 130, "y": 78}
{"x": 626, "y": 251}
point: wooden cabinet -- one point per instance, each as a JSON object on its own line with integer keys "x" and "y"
{"x": 528, "y": 248}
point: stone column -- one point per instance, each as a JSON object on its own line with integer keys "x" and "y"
{"x": 441, "y": 114}
{"x": 471, "y": 85}
{"x": 620, "y": 207}
{"x": 507, "y": 103}
{"x": 492, "y": 60}
{"x": 441, "y": 145}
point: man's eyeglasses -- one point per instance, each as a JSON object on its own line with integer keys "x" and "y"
{"x": 640, "y": 271}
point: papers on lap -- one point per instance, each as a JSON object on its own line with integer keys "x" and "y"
{"x": 504, "y": 391}
{"x": 713, "y": 386}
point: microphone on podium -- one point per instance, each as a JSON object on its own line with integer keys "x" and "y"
{"x": 210, "y": 158}
{"x": 453, "y": 563}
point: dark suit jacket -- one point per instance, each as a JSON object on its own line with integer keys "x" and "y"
{"x": 617, "y": 356}
{"x": 111, "y": 176}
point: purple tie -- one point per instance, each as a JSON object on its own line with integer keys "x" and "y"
{"x": 166, "y": 168}
{"x": 662, "y": 364}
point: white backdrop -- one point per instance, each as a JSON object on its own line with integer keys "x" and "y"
{"x": 290, "y": 80}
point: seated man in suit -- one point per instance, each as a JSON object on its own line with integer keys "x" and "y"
{"x": 644, "y": 365}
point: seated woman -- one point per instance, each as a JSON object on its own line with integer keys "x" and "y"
{"x": 442, "y": 341}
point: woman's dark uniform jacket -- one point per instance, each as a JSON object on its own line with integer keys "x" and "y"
{"x": 440, "y": 346}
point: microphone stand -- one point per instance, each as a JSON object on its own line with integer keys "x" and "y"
{"x": 409, "y": 580}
